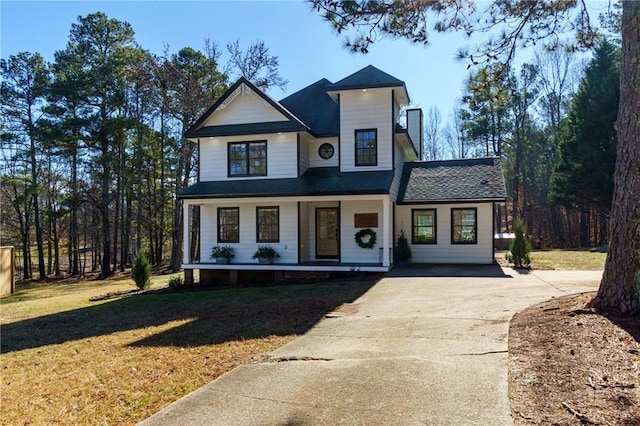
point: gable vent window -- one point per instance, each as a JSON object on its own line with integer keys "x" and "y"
{"x": 247, "y": 158}
{"x": 366, "y": 147}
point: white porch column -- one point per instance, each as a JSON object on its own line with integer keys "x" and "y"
{"x": 185, "y": 232}
{"x": 386, "y": 231}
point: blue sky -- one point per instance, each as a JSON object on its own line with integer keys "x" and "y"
{"x": 307, "y": 47}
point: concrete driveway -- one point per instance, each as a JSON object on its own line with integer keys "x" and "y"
{"x": 419, "y": 348}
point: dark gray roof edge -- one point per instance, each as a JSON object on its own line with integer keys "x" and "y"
{"x": 247, "y": 129}
{"x": 453, "y": 201}
{"x": 281, "y": 195}
{"x": 455, "y": 162}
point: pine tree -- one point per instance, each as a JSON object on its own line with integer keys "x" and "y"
{"x": 141, "y": 271}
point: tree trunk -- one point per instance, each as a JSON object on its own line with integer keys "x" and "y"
{"x": 584, "y": 227}
{"x": 182, "y": 178}
{"x": 104, "y": 213}
{"x": 74, "y": 239}
{"x": 36, "y": 219}
{"x": 26, "y": 261}
{"x": 620, "y": 286}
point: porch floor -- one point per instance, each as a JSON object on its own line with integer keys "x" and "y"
{"x": 328, "y": 266}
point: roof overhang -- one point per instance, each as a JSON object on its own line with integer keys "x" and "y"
{"x": 247, "y": 129}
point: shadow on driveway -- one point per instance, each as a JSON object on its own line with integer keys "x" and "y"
{"x": 449, "y": 270}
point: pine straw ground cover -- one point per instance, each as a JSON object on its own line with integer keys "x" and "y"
{"x": 68, "y": 360}
{"x": 572, "y": 366}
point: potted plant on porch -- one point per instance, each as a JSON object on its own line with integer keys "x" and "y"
{"x": 265, "y": 254}
{"x": 222, "y": 254}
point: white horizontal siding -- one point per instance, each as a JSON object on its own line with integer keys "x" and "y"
{"x": 444, "y": 251}
{"x": 282, "y": 161}
{"x": 314, "y": 158}
{"x": 304, "y": 152}
{"x": 243, "y": 109}
{"x": 398, "y": 165}
{"x": 350, "y": 251}
{"x": 287, "y": 248}
{"x": 366, "y": 110}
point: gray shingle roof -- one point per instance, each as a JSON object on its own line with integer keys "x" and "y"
{"x": 315, "y": 181}
{"x": 478, "y": 179}
{"x": 367, "y": 78}
{"x": 315, "y": 108}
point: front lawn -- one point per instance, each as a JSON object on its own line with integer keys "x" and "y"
{"x": 68, "y": 360}
{"x": 564, "y": 260}
{"x": 570, "y": 260}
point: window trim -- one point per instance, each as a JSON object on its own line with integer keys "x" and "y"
{"x": 237, "y": 211}
{"x": 435, "y": 226}
{"x": 277, "y": 239}
{"x": 355, "y": 147}
{"x": 246, "y": 158}
{"x": 475, "y": 224}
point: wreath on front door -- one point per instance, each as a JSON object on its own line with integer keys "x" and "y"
{"x": 363, "y": 233}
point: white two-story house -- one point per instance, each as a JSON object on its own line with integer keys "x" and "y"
{"x": 322, "y": 172}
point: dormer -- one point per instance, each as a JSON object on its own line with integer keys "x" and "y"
{"x": 369, "y": 106}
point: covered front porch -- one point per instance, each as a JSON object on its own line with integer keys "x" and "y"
{"x": 314, "y": 234}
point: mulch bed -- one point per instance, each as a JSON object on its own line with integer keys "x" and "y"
{"x": 573, "y": 366}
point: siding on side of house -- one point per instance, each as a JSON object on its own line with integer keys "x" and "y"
{"x": 304, "y": 152}
{"x": 365, "y": 110}
{"x": 287, "y": 248}
{"x": 444, "y": 251}
{"x": 397, "y": 175}
{"x": 281, "y": 156}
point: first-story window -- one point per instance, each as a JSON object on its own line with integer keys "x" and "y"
{"x": 464, "y": 226}
{"x": 247, "y": 158}
{"x": 228, "y": 225}
{"x": 268, "y": 224}
{"x": 366, "y": 147}
{"x": 423, "y": 226}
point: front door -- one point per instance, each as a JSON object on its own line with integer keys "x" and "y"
{"x": 327, "y": 233}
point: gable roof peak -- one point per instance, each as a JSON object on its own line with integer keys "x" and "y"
{"x": 242, "y": 86}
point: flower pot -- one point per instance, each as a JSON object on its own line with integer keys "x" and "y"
{"x": 403, "y": 263}
{"x": 265, "y": 260}
{"x": 222, "y": 260}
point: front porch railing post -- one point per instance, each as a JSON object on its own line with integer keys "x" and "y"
{"x": 185, "y": 232}
{"x": 386, "y": 230}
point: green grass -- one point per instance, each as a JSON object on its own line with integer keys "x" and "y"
{"x": 571, "y": 260}
{"x": 119, "y": 360}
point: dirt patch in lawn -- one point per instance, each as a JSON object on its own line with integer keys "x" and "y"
{"x": 572, "y": 366}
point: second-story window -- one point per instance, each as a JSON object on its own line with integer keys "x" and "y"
{"x": 247, "y": 158}
{"x": 367, "y": 147}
